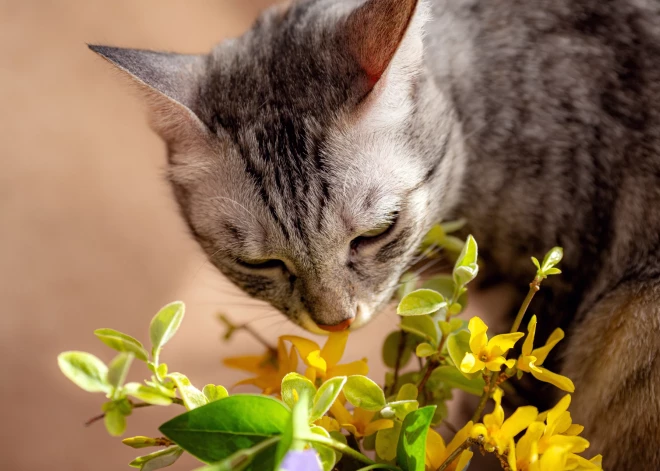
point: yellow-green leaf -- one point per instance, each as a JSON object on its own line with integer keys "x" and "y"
{"x": 293, "y": 385}
{"x": 165, "y": 324}
{"x": 115, "y": 422}
{"x": 364, "y": 393}
{"x": 425, "y": 350}
{"x": 122, "y": 342}
{"x": 158, "y": 459}
{"x": 148, "y": 394}
{"x": 326, "y": 396}
{"x": 191, "y": 396}
{"x": 85, "y": 370}
{"x": 421, "y": 302}
{"x": 118, "y": 369}
{"x": 214, "y": 393}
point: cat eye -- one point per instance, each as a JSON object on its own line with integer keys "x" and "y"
{"x": 261, "y": 264}
{"x": 376, "y": 233}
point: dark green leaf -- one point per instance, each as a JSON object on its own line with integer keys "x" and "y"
{"x": 215, "y": 431}
{"x": 391, "y": 350}
{"x": 411, "y": 450}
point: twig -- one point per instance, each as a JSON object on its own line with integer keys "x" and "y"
{"x": 457, "y": 452}
{"x": 397, "y": 364}
{"x": 138, "y": 405}
{"x": 430, "y": 366}
{"x": 258, "y": 337}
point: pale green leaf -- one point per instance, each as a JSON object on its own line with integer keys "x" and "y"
{"x": 85, "y": 370}
{"x": 408, "y": 392}
{"x": 421, "y": 326}
{"x": 402, "y": 408}
{"x": 421, "y": 302}
{"x": 165, "y": 324}
{"x": 466, "y": 268}
{"x": 326, "y": 396}
{"x": 407, "y": 285}
{"x": 115, "y": 422}
{"x": 386, "y": 442}
{"x": 158, "y": 459}
{"x": 425, "y": 350}
{"x": 148, "y": 394}
{"x": 453, "y": 226}
{"x": 364, "y": 393}
{"x": 552, "y": 258}
{"x": 118, "y": 369}
{"x": 293, "y": 385}
{"x": 326, "y": 454}
{"x": 122, "y": 342}
{"x": 214, "y": 393}
{"x": 191, "y": 396}
{"x": 458, "y": 344}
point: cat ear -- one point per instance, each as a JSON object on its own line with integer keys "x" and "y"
{"x": 377, "y": 29}
{"x": 169, "y": 84}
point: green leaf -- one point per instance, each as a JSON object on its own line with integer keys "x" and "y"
{"x": 386, "y": 442}
{"x": 158, "y": 459}
{"x": 118, "y": 369}
{"x": 192, "y": 397}
{"x": 122, "y": 343}
{"x": 421, "y": 302}
{"x": 327, "y": 455}
{"x": 453, "y": 226}
{"x": 142, "y": 442}
{"x": 403, "y": 408}
{"x": 434, "y": 238}
{"x": 411, "y": 449}
{"x": 165, "y": 324}
{"x": 453, "y": 245}
{"x": 326, "y": 396}
{"x": 217, "y": 430}
{"x": 214, "y": 393}
{"x": 85, "y": 370}
{"x": 458, "y": 344}
{"x": 443, "y": 284}
{"x": 293, "y": 385}
{"x": 454, "y": 378}
{"x": 552, "y": 258}
{"x": 466, "y": 268}
{"x": 115, "y": 422}
{"x": 297, "y": 426}
{"x": 408, "y": 282}
{"x": 553, "y": 271}
{"x": 364, "y": 393}
{"x": 425, "y": 350}
{"x": 536, "y": 263}
{"x": 421, "y": 326}
{"x": 408, "y": 392}
{"x": 148, "y": 394}
{"x": 391, "y": 350}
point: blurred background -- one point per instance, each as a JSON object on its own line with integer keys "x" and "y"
{"x": 89, "y": 233}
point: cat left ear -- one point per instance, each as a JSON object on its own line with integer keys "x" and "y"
{"x": 378, "y": 29}
{"x": 168, "y": 82}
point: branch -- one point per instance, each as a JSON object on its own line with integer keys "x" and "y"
{"x": 138, "y": 405}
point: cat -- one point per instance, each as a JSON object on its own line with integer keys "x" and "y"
{"x": 310, "y": 156}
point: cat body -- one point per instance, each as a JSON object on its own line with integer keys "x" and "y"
{"x": 310, "y": 156}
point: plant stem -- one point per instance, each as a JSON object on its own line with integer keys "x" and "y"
{"x": 456, "y": 453}
{"x": 430, "y": 366}
{"x": 397, "y": 364}
{"x": 138, "y": 405}
{"x": 491, "y": 380}
{"x": 258, "y": 337}
{"x": 345, "y": 449}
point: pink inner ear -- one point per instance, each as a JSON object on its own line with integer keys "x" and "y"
{"x": 375, "y": 32}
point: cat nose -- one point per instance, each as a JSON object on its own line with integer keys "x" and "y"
{"x": 343, "y": 325}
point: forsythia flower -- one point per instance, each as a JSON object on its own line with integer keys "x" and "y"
{"x": 269, "y": 369}
{"x": 359, "y": 423}
{"x": 496, "y": 431}
{"x": 323, "y": 362}
{"x": 437, "y": 452}
{"x": 531, "y": 360}
{"x": 486, "y": 353}
{"x": 551, "y": 444}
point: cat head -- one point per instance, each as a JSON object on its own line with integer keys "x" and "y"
{"x": 294, "y": 153}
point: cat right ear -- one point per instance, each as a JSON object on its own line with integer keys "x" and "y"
{"x": 168, "y": 82}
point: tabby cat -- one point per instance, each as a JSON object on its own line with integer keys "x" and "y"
{"x": 310, "y": 156}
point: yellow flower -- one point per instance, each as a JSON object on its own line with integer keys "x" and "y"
{"x": 496, "y": 431}
{"x": 486, "y": 353}
{"x": 531, "y": 360}
{"x": 437, "y": 452}
{"x": 323, "y": 362}
{"x": 359, "y": 423}
{"x": 269, "y": 368}
{"x": 560, "y": 430}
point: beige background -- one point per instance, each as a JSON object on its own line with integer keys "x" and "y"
{"x": 89, "y": 235}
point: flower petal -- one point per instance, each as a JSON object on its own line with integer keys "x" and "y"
{"x": 314, "y": 360}
{"x": 512, "y": 455}
{"x": 500, "y": 344}
{"x": 341, "y": 414}
{"x": 574, "y": 430}
{"x": 478, "y": 337}
{"x": 464, "y": 460}
{"x": 303, "y": 345}
{"x": 328, "y": 423}
{"x": 334, "y": 347}
{"x": 556, "y": 412}
{"x": 435, "y": 449}
{"x": 251, "y": 363}
{"x": 528, "y": 346}
{"x": 376, "y": 425}
{"x": 553, "y": 459}
{"x": 358, "y": 367}
{"x": 517, "y": 422}
{"x": 570, "y": 444}
{"x": 542, "y": 353}
{"x": 470, "y": 364}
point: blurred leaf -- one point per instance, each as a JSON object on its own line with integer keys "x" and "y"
{"x": 421, "y": 302}
{"x": 425, "y": 350}
{"x": 391, "y": 350}
{"x": 142, "y": 442}
{"x": 165, "y": 324}
{"x": 421, "y": 326}
{"x": 403, "y": 408}
{"x": 122, "y": 343}
{"x": 158, "y": 459}
{"x": 147, "y": 394}
{"x": 364, "y": 393}
{"x": 386, "y": 442}
{"x": 326, "y": 396}
{"x": 293, "y": 385}
{"x": 217, "y": 430}
{"x": 85, "y": 370}
{"x": 408, "y": 392}
{"x": 453, "y": 226}
{"x": 458, "y": 344}
{"x": 408, "y": 282}
{"x": 451, "y": 376}
{"x": 552, "y": 258}
{"x": 115, "y": 422}
{"x": 297, "y": 426}
{"x": 192, "y": 397}
{"x": 118, "y": 369}
{"x": 466, "y": 268}
{"x": 411, "y": 449}
{"x": 326, "y": 454}
{"x": 214, "y": 393}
